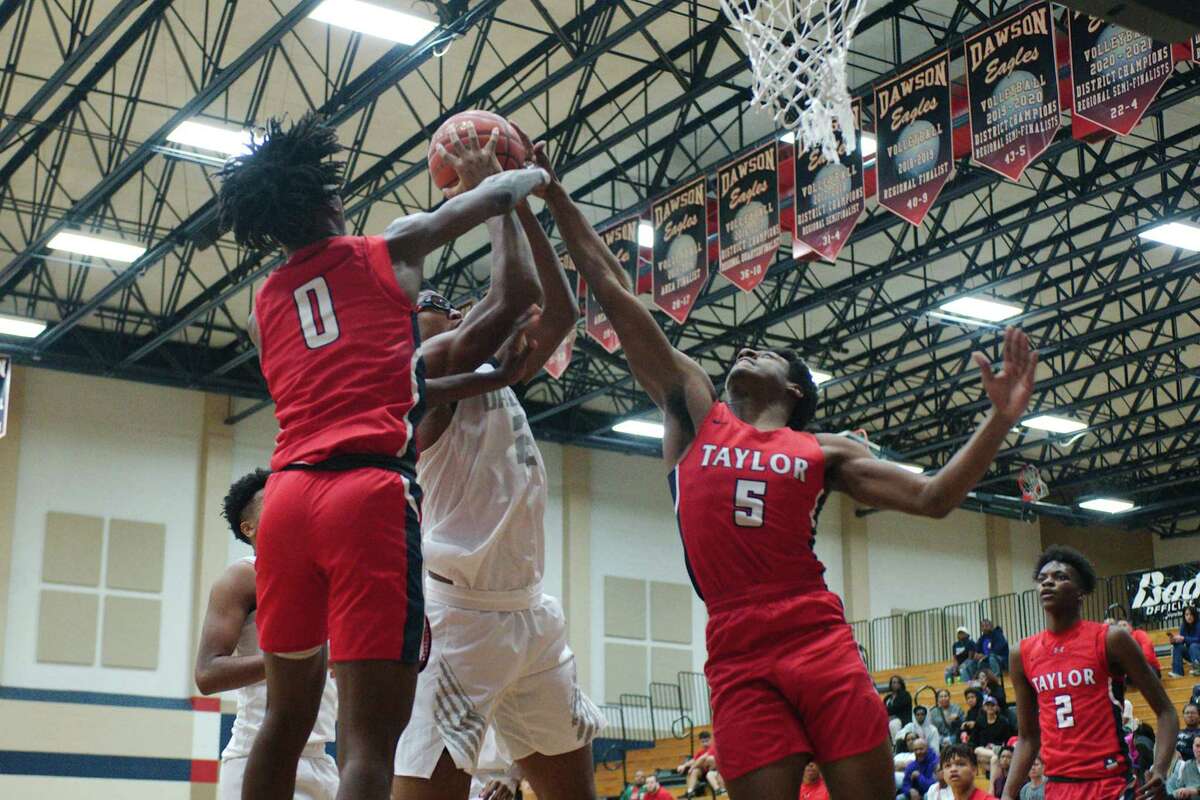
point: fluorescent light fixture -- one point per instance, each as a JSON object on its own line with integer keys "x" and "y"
{"x": 373, "y": 20}
{"x": 1175, "y": 234}
{"x": 983, "y": 308}
{"x": 209, "y": 137}
{"x": 1053, "y": 424}
{"x": 819, "y": 377}
{"x": 640, "y": 427}
{"x": 20, "y": 326}
{"x": 1109, "y": 505}
{"x": 915, "y": 468}
{"x": 645, "y": 234}
{"x": 868, "y": 142}
{"x": 94, "y": 246}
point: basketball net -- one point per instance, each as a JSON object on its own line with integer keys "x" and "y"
{"x": 798, "y": 54}
{"x": 1033, "y": 488}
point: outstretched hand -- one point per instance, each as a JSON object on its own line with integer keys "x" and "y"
{"x": 469, "y": 160}
{"x": 536, "y": 155}
{"x": 1153, "y": 788}
{"x": 1010, "y": 389}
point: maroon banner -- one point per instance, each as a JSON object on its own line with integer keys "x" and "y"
{"x": 914, "y": 124}
{"x": 829, "y": 196}
{"x": 1012, "y": 91}
{"x": 748, "y": 216}
{"x": 560, "y": 359}
{"x": 1116, "y": 72}
{"x": 622, "y": 241}
{"x": 680, "y": 249}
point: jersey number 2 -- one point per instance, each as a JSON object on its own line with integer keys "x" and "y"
{"x": 748, "y": 503}
{"x": 318, "y": 323}
{"x": 1066, "y": 714}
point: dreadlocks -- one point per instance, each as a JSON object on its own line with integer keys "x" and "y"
{"x": 272, "y": 195}
{"x": 799, "y": 374}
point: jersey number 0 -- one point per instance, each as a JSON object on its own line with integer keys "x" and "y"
{"x": 318, "y": 322}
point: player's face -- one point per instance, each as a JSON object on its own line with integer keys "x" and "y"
{"x": 753, "y": 370}
{"x": 436, "y": 316}
{"x": 1058, "y": 587}
{"x": 959, "y": 772}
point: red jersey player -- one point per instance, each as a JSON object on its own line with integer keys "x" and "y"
{"x": 339, "y": 546}
{"x": 747, "y": 483}
{"x": 1068, "y": 682}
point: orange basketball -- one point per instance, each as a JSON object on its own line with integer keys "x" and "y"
{"x": 509, "y": 149}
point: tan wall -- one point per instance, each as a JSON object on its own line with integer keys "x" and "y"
{"x": 1111, "y": 550}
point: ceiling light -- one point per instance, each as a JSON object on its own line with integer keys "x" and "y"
{"x": 645, "y": 234}
{"x": 94, "y": 246}
{"x": 915, "y": 468}
{"x": 640, "y": 427}
{"x": 1048, "y": 422}
{"x": 1109, "y": 505}
{"x": 209, "y": 137}
{"x": 819, "y": 377}
{"x": 868, "y": 142}
{"x": 386, "y": 23}
{"x": 20, "y": 326}
{"x": 981, "y": 308}
{"x": 1175, "y": 234}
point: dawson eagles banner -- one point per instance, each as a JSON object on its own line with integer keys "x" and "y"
{"x": 560, "y": 359}
{"x": 622, "y": 242}
{"x": 829, "y": 196}
{"x": 1012, "y": 91}
{"x": 680, "y": 249}
{"x": 748, "y": 216}
{"x": 1157, "y": 596}
{"x": 915, "y": 155}
{"x": 1116, "y": 72}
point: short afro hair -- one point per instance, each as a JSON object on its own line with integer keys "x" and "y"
{"x": 799, "y": 374}
{"x": 1072, "y": 558}
{"x": 241, "y": 494}
{"x": 960, "y": 750}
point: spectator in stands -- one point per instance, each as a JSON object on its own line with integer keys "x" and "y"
{"x": 1185, "y": 645}
{"x": 1143, "y": 639}
{"x": 919, "y": 775}
{"x": 1035, "y": 789}
{"x": 1000, "y": 770}
{"x": 940, "y": 790}
{"x": 813, "y": 786}
{"x": 699, "y": 765}
{"x": 991, "y": 684}
{"x": 1189, "y": 732}
{"x": 904, "y": 754}
{"x": 898, "y": 701}
{"x": 971, "y": 717}
{"x": 633, "y": 790}
{"x": 1184, "y": 781}
{"x": 992, "y": 647}
{"x": 963, "y": 665}
{"x": 922, "y": 727}
{"x": 652, "y": 791}
{"x": 946, "y": 716}
{"x": 990, "y": 734}
{"x": 960, "y": 765}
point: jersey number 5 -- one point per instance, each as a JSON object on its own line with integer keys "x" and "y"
{"x": 318, "y": 323}
{"x": 1066, "y": 715}
{"x": 748, "y": 503}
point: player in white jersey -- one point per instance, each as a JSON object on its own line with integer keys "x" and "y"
{"x": 229, "y": 659}
{"x": 499, "y": 651}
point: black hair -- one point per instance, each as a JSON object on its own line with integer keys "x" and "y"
{"x": 1195, "y": 614}
{"x": 1190, "y": 704}
{"x": 241, "y": 494}
{"x": 917, "y": 708}
{"x": 705, "y": 735}
{"x": 960, "y": 750}
{"x": 799, "y": 374}
{"x": 975, "y": 691}
{"x": 272, "y": 195}
{"x": 903, "y": 685}
{"x": 1072, "y": 558}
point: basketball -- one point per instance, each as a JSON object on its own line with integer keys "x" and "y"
{"x": 509, "y": 149}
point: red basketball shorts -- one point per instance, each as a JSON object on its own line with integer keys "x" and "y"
{"x": 786, "y": 678}
{"x": 339, "y": 560}
{"x": 1116, "y": 787}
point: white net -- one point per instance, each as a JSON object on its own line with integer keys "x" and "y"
{"x": 1033, "y": 488}
{"x": 798, "y": 53}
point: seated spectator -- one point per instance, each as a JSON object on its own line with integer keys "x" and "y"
{"x": 940, "y": 790}
{"x": 990, "y": 734}
{"x": 1035, "y": 789}
{"x": 1000, "y": 771}
{"x": 946, "y": 716}
{"x": 991, "y": 684}
{"x": 971, "y": 716}
{"x": 898, "y": 703}
{"x": 992, "y": 647}
{"x": 963, "y": 665}
{"x": 919, "y": 775}
{"x": 922, "y": 727}
{"x": 960, "y": 765}
{"x": 652, "y": 791}
{"x": 904, "y": 755}
{"x": 1143, "y": 639}
{"x": 1189, "y": 731}
{"x": 813, "y": 786}
{"x": 1185, "y": 645}
{"x": 699, "y": 765}
{"x": 633, "y": 790}
{"x": 1184, "y": 780}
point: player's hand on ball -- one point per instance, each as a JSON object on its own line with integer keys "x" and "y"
{"x": 470, "y": 161}
{"x": 539, "y": 158}
{"x": 518, "y": 348}
{"x": 1010, "y": 389}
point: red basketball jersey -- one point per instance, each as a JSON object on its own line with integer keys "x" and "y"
{"x": 337, "y": 342}
{"x": 747, "y": 504}
{"x": 1079, "y": 708}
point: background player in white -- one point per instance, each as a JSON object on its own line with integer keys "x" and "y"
{"x": 499, "y": 653}
{"x": 228, "y": 658}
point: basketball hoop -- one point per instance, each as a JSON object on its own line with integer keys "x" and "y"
{"x": 798, "y": 52}
{"x": 1033, "y": 488}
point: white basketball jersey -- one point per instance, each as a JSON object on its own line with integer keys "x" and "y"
{"x": 485, "y": 494}
{"x": 252, "y": 700}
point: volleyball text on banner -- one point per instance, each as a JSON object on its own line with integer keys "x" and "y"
{"x": 829, "y": 195}
{"x": 680, "y": 249}
{"x": 560, "y": 359}
{"x": 1116, "y": 72}
{"x": 5, "y": 381}
{"x": 748, "y": 216}
{"x": 915, "y": 156}
{"x": 1012, "y": 90}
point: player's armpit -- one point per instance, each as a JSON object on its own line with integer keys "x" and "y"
{"x": 229, "y": 604}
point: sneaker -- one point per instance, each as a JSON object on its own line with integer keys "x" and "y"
{"x": 1177, "y": 675}
{"x": 1195, "y": 670}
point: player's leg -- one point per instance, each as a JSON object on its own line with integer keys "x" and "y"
{"x": 294, "y": 689}
{"x": 693, "y": 777}
{"x": 447, "y": 782}
{"x": 779, "y": 780}
{"x": 561, "y": 777}
{"x": 374, "y": 701}
{"x": 715, "y": 781}
{"x": 866, "y": 776}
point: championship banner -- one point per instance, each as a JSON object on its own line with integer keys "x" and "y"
{"x": 5, "y": 382}
{"x": 560, "y": 359}
{"x": 1158, "y": 596}
{"x": 622, "y": 242}
{"x": 1116, "y": 72}
{"x": 680, "y": 250}
{"x": 829, "y": 196}
{"x": 914, "y": 124}
{"x": 748, "y": 216}
{"x": 1012, "y": 91}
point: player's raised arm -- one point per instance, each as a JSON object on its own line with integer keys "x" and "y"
{"x": 1126, "y": 655}
{"x": 229, "y": 603}
{"x": 1029, "y": 734}
{"x": 879, "y": 484}
{"x": 676, "y": 383}
{"x": 515, "y": 357}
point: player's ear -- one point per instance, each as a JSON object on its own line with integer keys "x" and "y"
{"x": 796, "y": 391}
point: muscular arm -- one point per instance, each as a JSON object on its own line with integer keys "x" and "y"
{"x": 1126, "y": 656}
{"x": 560, "y": 311}
{"x": 1029, "y": 734}
{"x": 229, "y": 604}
